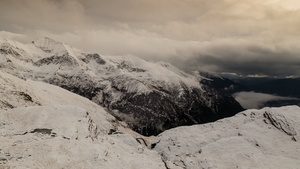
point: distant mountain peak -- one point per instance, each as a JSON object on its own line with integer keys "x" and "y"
{"x": 49, "y": 45}
{"x": 56, "y": 48}
{"x": 10, "y": 47}
{"x": 7, "y": 42}
{"x": 47, "y": 39}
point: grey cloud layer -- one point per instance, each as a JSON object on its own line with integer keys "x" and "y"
{"x": 253, "y": 100}
{"x": 246, "y": 37}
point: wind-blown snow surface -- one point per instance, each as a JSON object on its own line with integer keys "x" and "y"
{"x": 150, "y": 97}
{"x": 44, "y": 126}
{"x": 266, "y": 138}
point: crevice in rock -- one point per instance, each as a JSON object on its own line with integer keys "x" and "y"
{"x": 25, "y": 96}
{"x": 92, "y": 128}
{"x": 41, "y": 130}
{"x": 114, "y": 131}
{"x": 152, "y": 146}
{"x": 6, "y": 104}
{"x": 180, "y": 163}
{"x": 164, "y": 159}
{"x": 141, "y": 141}
{"x": 165, "y": 163}
{"x": 67, "y": 138}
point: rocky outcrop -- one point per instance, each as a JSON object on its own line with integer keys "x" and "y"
{"x": 280, "y": 122}
{"x": 96, "y": 57}
{"x": 64, "y": 60}
{"x": 157, "y": 111}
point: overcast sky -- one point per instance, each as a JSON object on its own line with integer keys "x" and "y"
{"x": 257, "y": 37}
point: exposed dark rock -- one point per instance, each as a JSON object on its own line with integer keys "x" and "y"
{"x": 111, "y": 131}
{"x": 96, "y": 57}
{"x": 53, "y": 134}
{"x": 79, "y": 84}
{"x": 141, "y": 141}
{"x": 3, "y": 160}
{"x": 123, "y": 65}
{"x": 152, "y": 146}
{"x": 280, "y": 122}
{"x": 42, "y": 131}
{"x": 67, "y": 138}
{"x": 4, "y": 104}
{"x": 64, "y": 60}
{"x": 9, "y": 51}
{"x": 26, "y": 96}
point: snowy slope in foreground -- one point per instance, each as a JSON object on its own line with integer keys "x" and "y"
{"x": 266, "y": 138}
{"x": 44, "y": 126}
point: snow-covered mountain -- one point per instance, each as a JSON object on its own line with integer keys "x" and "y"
{"x": 150, "y": 97}
{"x": 266, "y": 138}
{"x": 45, "y": 126}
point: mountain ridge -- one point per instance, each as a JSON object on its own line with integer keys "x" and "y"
{"x": 150, "y": 97}
{"x": 45, "y": 126}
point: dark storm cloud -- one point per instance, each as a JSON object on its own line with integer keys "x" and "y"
{"x": 245, "y": 60}
{"x": 246, "y": 37}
